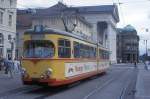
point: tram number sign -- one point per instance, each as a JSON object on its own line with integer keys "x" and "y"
{"x": 37, "y": 37}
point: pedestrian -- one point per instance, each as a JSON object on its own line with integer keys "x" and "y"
{"x": 1, "y": 63}
{"x": 17, "y": 66}
{"x": 8, "y": 67}
{"x": 135, "y": 64}
{"x": 146, "y": 65}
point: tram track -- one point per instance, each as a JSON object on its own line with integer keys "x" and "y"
{"x": 102, "y": 86}
{"x": 129, "y": 90}
{"x": 107, "y": 80}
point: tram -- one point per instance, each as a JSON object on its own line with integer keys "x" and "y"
{"x": 55, "y": 58}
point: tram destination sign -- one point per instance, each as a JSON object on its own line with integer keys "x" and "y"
{"x": 37, "y": 36}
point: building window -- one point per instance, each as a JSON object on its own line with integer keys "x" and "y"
{"x": 11, "y": 2}
{"x": 1, "y": 17}
{"x": 64, "y": 48}
{"x": 10, "y": 20}
{"x": 1, "y": 38}
{"x": 9, "y": 37}
{"x": 76, "y": 49}
{"x": 9, "y": 53}
{"x": 1, "y": 51}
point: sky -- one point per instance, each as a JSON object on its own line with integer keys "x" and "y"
{"x": 134, "y": 12}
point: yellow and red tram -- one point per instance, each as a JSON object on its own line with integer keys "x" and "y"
{"x": 56, "y": 58}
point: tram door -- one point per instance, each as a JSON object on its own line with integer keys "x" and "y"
{"x": 99, "y": 56}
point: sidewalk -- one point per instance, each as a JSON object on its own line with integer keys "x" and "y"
{"x": 143, "y": 83}
{"x": 7, "y": 83}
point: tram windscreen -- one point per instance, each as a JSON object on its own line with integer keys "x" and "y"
{"x": 38, "y": 49}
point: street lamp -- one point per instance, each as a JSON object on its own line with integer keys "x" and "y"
{"x": 11, "y": 41}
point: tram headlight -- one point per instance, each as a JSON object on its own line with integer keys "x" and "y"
{"x": 24, "y": 73}
{"x": 48, "y": 71}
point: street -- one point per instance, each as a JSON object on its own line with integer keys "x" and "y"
{"x": 118, "y": 83}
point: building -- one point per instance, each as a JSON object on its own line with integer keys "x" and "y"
{"x": 98, "y": 22}
{"x": 7, "y": 28}
{"x": 103, "y": 19}
{"x": 127, "y": 45}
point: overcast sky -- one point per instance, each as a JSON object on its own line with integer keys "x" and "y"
{"x": 134, "y": 12}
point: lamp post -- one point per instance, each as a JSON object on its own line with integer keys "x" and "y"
{"x": 11, "y": 41}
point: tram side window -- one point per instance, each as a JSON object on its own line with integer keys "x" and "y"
{"x": 92, "y": 52}
{"x": 95, "y": 50}
{"x": 87, "y": 51}
{"x": 100, "y": 53}
{"x": 81, "y": 50}
{"x": 107, "y": 55}
{"x": 76, "y": 49}
{"x": 64, "y": 48}
{"x": 103, "y": 54}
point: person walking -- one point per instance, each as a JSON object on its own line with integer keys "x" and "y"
{"x": 1, "y": 63}
{"x": 17, "y": 66}
{"x": 135, "y": 64}
{"x": 8, "y": 67}
{"x": 146, "y": 65}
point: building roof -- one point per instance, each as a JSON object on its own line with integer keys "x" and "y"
{"x": 127, "y": 30}
{"x": 59, "y": 7}
{"x": 60, "y": 32}
{"x": 59, "y": 10}
{"x": 112, "y": 9}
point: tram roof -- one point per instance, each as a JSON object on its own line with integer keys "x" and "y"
{"x": 60, "y": 32}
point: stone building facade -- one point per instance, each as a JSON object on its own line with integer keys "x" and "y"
{"x": 127, "y": 45}
{"x": 7, "y": 28}
{"x": 103, "y": 19}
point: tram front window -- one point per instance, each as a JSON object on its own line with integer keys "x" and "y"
{"x": 39, "y": 49}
